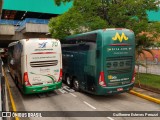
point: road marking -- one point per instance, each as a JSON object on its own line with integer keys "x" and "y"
{"x": 10, "y": 94}
{"x": 68, "y": 89}
{"x": 62, "y": 91}
{"x": 73, "y": 94}
{"x": 89, "y": 105}
{"x": 110, "y": 118}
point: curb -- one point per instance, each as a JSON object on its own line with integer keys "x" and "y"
{"x": 145, "y": 87}
{"x": 145, "y": 96}
{"x": 10, "y": 94}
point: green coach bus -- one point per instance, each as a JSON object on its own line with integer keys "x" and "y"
{"x": 100, "y": 62}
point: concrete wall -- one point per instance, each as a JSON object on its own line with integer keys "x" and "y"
{"x": 149, "y": 56}
{"x": 30, "y": 30}
{"x": 36, "y": 28}
{"x": 20, "y": 35}
{"x": 7, "y": 30}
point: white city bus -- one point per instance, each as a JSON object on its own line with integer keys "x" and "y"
{"x": 36, "y": 64}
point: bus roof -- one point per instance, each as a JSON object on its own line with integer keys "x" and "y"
{"x": 39, "y": 39}
{"x": 14, "y": 43}
{"x": 94, "y": 32}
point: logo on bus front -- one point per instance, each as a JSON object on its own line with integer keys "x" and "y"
{"x": 42, "y": 45}
{"x": 54, "y": 44}
{"x": 120, "y": 37}
{"x": 112, "y": 77}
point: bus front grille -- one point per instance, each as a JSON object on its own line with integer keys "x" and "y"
{"x": 44, "y": 63}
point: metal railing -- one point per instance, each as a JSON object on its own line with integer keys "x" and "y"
{"x": 151, "y": 80}
{"x": 152, "y": 66}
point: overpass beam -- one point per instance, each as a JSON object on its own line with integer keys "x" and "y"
{"x": 35, "y": 28}
{"x": 20, "y": 35}
{"x": 7, "y": 29}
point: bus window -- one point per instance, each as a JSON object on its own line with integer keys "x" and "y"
{"x": 115, "y": 64}
{"x": 128, "y": 63}
{"x": 109, "y": 65}
{"x": 121, "y": 64}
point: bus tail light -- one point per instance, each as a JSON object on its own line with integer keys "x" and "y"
{"x": 26, "y": 80}
{"x": 102, "y": 80}
{"x": 133, "y": 76}
{"x": 60, "y": 75}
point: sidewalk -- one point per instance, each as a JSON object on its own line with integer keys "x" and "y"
{"x": 149, "y": 93}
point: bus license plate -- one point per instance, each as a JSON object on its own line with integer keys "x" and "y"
{"x": 45, "y": 88}
{"x": 119, "y": 89}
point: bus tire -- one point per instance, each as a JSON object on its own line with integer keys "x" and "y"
{"x": 68, "y": 81}
{"x": 76, "y": 85}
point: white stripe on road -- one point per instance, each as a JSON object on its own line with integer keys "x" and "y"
{"x": 62, "y": 91}
{"x": 68, "y": 89}
{"x": 110, "y": 118}
{"x": 73, "y": 94}
{"x": 89, "y": 105}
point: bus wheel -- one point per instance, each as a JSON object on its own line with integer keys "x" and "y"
{"x": 68, "y": 81}
{"x": 76, "y": 85}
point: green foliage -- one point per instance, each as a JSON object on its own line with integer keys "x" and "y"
{"x": 155, "y": 26}
{"x": 157, "y": 44}
{"x": 58, "y": 2}
{"x": 80, "y": 18}
{"x": 63, "y": 25}
{"x": 149, "y": 80}
{"x": 87, "y": 15}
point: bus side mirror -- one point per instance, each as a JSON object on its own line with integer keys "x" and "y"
{"x": 97, "y": 53}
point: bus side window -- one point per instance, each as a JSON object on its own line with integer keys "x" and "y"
{"x": 97, "y": 53}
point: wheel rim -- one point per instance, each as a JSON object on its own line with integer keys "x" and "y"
{"x": 68, "y": 81}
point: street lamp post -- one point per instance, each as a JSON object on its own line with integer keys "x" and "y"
{"x": 1, "y": 3}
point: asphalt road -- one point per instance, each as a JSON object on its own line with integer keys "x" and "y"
{"x": 68, "y": 100}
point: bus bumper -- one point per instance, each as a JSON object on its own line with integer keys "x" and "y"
{"x": 41, "y": 88}
{"x": 114, "y": 90}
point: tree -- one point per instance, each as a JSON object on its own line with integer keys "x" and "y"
{"x": 87, "y": 15}
{"x": 81, "y": 17}
{"x": 58, "y": 2}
